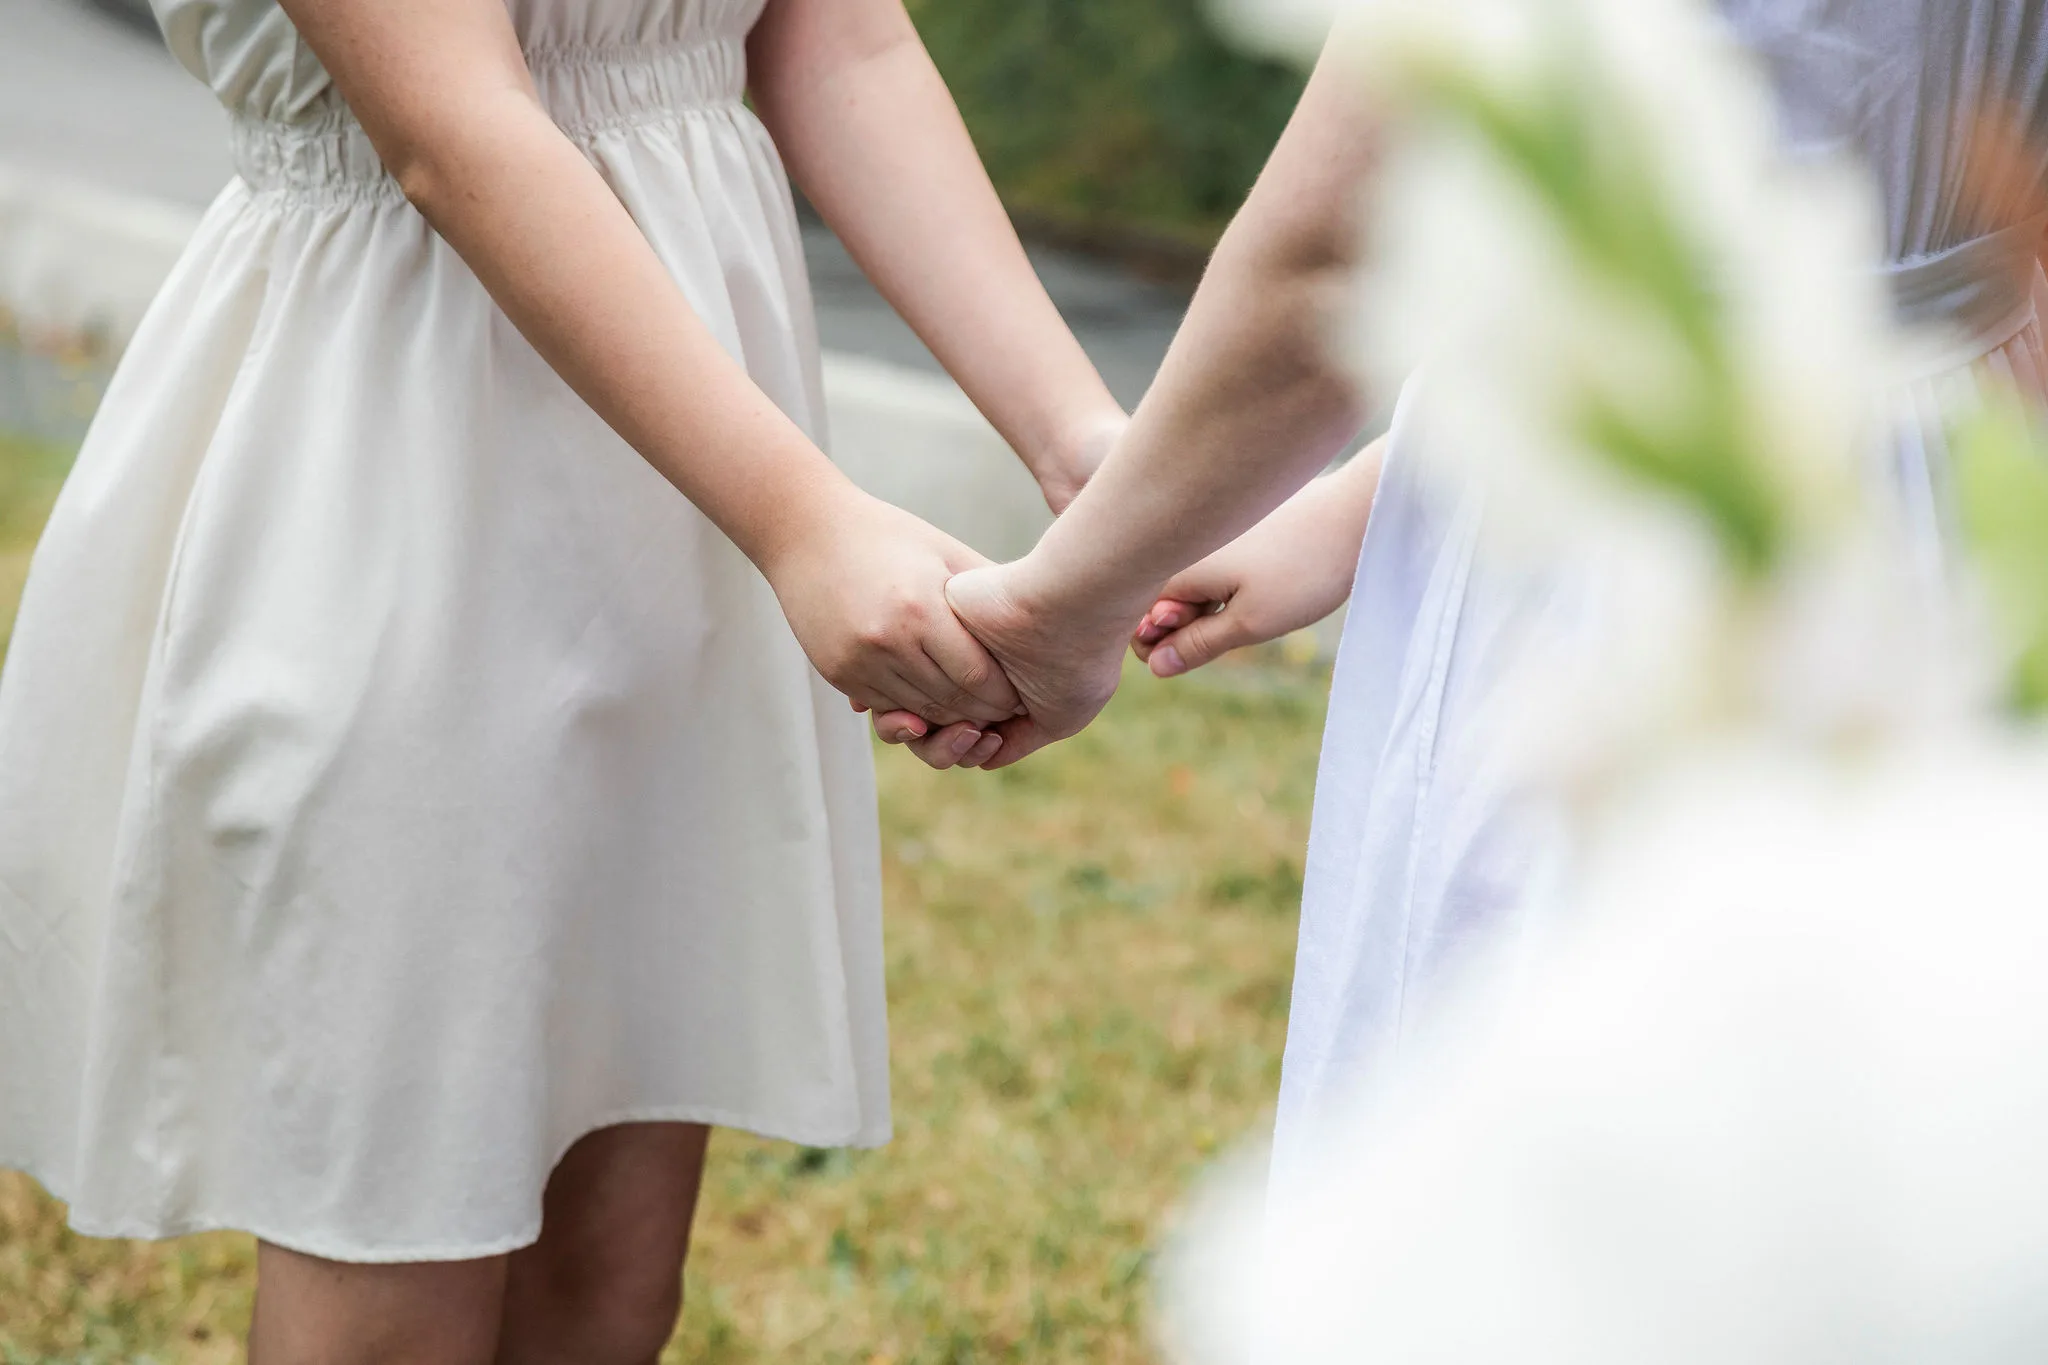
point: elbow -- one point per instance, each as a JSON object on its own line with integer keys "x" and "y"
{"x": 1297, "y": 249}
{"x": 417, "y": 156}
{"x": 419, "y": 180}
{"x": 439, "y": 149}
{"x": 1295, "y": 284}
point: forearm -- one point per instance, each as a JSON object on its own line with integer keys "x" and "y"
{"x": 1254, "y": 398}
{"x": 871, "y": 134}
{"x": 569, "y": 267}
{"x": 443, "y": 92}
{"x": 1241, "y": 417}
{"x": 1353, "y": 487}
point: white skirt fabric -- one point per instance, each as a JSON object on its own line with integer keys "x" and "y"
{"x": 398, "y": 778}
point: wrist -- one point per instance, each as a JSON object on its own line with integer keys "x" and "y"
{"x": 804, "y": 517}
{"x": 1048, "y": 584}
{"x": 1065, "y": 459}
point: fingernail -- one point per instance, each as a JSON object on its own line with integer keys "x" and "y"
{"x": 1167, "y": 663}
{"x": 964, "y": 742}
{"x": 916, "y": 729}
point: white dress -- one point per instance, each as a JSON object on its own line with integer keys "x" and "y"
{"x": 398, "y": 778}
{"x": 1422, "y": 848}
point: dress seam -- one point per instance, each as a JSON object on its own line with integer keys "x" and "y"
{"x": 382, "y": 190}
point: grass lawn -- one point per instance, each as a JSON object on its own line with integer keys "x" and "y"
{"x": 1089, "y": 959}
{"x": 29, "y": 475}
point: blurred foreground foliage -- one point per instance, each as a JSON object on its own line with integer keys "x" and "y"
{"x": 2001, "y": 465}
{"x": 1131, "y": 121}
{"x": 1089, "y": 964}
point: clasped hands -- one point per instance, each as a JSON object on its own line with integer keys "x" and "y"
{"x": 971, "y": 664}
{"x": 1061, "y": 659}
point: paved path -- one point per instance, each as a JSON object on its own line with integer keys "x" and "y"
{"x": 86, "y": 96}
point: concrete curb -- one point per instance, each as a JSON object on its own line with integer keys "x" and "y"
{"x": 81, "y": 262}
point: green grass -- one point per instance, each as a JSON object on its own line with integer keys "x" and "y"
{"x": 29, "y": 475}
{"x": 1088, "y": 964}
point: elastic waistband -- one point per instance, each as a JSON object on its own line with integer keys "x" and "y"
{"x": 586, "y": 90}
{"x": 1980, "y": 291}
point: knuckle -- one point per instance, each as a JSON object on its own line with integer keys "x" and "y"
{"x": 975, "y": 677}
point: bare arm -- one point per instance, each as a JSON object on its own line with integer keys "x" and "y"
{"x": 443, "y": 91}
{"x": 1285, "y": 574}
{"x": 1252, "y": 400}
{"x": 870, "y": 132}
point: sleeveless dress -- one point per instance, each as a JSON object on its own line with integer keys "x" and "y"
{"x": 398, "y": 778}
{"x": 1422, "y": 848}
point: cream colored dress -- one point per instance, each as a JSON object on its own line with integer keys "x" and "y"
{"x": 398, "y": 779}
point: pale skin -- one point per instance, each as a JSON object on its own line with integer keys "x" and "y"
{"x": 1251, "y": 402}
{"x": 871, "y": 134}
{"x": 1285, "y": 574}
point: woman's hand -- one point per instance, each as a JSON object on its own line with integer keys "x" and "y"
{"x": 1285, "y": 574}
{"x": 1064, "y": 659}
{"x": 865, "y": 592}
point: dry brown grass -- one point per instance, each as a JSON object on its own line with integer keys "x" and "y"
{"x": 1088, "y": 962}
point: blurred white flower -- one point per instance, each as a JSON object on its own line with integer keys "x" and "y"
{"x": 1617, "y": 290}
{"x": 1656, "y": 344}
{"x": 1778, "y": 1096}
{"x": 1779, "y": 1099}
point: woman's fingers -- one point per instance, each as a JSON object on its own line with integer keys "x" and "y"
{"x": 949, "y": 746}
{"x": 979, "y": 689}
{"x": 959, "y": 745}
{"x": 1205, "y": 638}
{"x": 945, "y": 747}
{"x": 899, "y": 727}
{"x": 907, "y": 679}
{"x": 1017, "y": 739}
{"x": 1166, "y": 616}
{"x": 984, "y": 749}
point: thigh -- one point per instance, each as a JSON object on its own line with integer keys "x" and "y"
{"x": 605, "y": 1278}
{"x": 624, "y": 1195}
{"x": 311, "y": 1311}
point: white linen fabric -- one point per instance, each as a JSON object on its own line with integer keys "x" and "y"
{"x": 398, "y": 778}
{"x": 1423, "y": 849}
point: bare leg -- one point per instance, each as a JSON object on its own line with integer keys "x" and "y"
{"x": 315, "y": 1312}
{"x": 604, "y": 1284}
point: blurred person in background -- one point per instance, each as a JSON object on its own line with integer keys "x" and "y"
{"x": 1427, "y": 848}
{"x": 421, "y": 811}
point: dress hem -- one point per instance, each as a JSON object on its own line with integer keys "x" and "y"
{"x": 863, "y": 1138}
